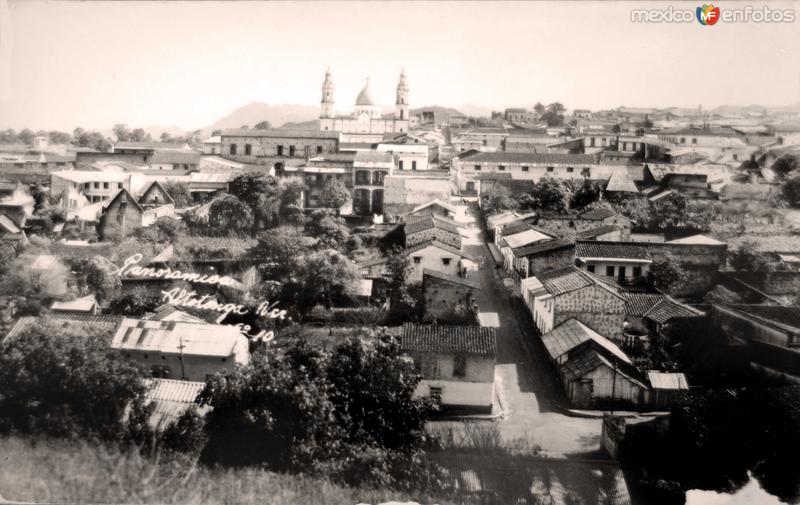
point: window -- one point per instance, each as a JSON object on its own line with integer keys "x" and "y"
{"x": 319, "y": 149}
{"x": 400, "y": 165}
{"x": 550, "y": 169}
{"x": 694, "y": 141}
{"x": 96, "y": 185}
{"x": 590, "y": 268}
{"x": 477, "y": 168}
{"x": 501, "y": 167}
{"x": 291, "y": 150}
{"x": 637, "y": 271}
{"x": 413, "y": 165}
{"x": 445, "y": 261}
{"x": 735, "y": 157}
{"x": 624, "y": 146}
{"x": 588, "y": 385}
{"x": 587, "y": 172}
{"x": 248, "y": 149}
{"x": 591, "y": 142}
{"x": 459, "y": 365}
{"x": 622, "y": 271}
{"x": 683, "y": 140}
{"x": 484, "y": 142}
{"x": 570, "y": 170}
{"x": 610, "y": 271}
{"x": 280, "y": 150}
{"x": 417, "y": 259}
{"x": 525, "y": 169}
{"x": 105, "y": 185}
{"x": 436, "y": 393}
{"x": 119, "y": 185}
{"x": 233, "y": 149}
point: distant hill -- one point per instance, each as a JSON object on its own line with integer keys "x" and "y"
{"x": 255, "y": 112}
{"x": 304, "y": 125}
{"x": 473, "y": 110}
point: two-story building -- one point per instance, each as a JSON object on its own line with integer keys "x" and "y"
{"x": 456, "y": 362}
{"x": 431, "y": 227}
{"x": 623, "y": 262}
{"x": 369, "y": 170}
{"x": 277, "y": 146}
{"x": 436, "y": 256}
{"x": 442, "y": 292}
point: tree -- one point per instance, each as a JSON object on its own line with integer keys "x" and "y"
{"x": 64, "y": 386}
{"x": 186, "y": 434}
{"x": 136, "y": 303}
{"x": 497, "y": 199}
{"x": 278, "y": 252}
{"x": 539, "y": 109}
{"x": 138, "y": 135}
{"x": 122, "y": 132}
{"x": 669, "y": 211}
{"x": 789, "y": 189}
{"x": 403, "y": 306}
{"x": 229, "y": 215}
{"x": 549, "y": 194}
{"x": 100, "y": 282}
{"x": 334, "y": 194}
{"x": 786, "y": 165}
{"x": 586, "y": 192}
{"x": 57, "y": 137}
{"x": 38, "y": 278}
{"x": 260, "y": 193}
{"x": 328, "y": 229}
{"x": 667, "y": 274}
{"x": 554, "y": 115}
{"x": 179, "y": 191}
{"x": 26, "y": 136}
{"x": 263, "y": 125}
{"x": 290, "y": 193}
{"x": 324, "y": 277}
{"x": 747, "y": 258}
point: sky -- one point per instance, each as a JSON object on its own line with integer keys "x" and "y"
{"x": 182, "y": 63}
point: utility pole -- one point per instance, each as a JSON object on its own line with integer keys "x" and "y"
{"x": 613, "y": 383}
{"x": 180, "y": 348}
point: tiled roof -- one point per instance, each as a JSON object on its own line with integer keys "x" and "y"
{"x": 571, "y": 278}
{"x": 440, "y": 245}
{"x": 415, "y": 224}
{"x": 565, "y": 337}
{"x": 373, "y": 157}
{"x": 449, "y": 278}
{"x": 446, "y": 338}
{"x": 668, "y": 309}
{"x": 543, "y": 246}
{"x": 616, "y": 250}
{"x": 516, "y": 227}
{"x": 437, "y": 202}
{"x": 638, "y": 304}
{"x": 596, "y": 232}
{"x": 302, "y": 134}
{"x": 784, "y": 315}
{"x": 598, "y": 214}
{"x": 68, "y": 324}
{"x": 168, "y": 399}
{"x": 771, "y": 243}
{"x": 587, "y": 358}
{"x": 621, "y": 182}
{"x": 541, "y": 158}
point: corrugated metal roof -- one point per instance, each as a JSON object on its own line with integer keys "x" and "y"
{"x": 68, "y": 325}
{"x": 449, "y": 338}
{"x": 525, "y": 238}
{"x": 662, "y": 380}
{"x": 169, "y": 336}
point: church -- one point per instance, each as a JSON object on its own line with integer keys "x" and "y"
{"x": 367, "y": 117}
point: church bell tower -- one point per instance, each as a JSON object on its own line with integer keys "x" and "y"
{"x": 401, "y": 104}
{"x": 326, "y": 105}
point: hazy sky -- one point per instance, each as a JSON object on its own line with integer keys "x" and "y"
{"x": 94, "y": 64}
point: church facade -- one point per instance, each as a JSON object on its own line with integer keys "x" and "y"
{"x": 366, "y": 117}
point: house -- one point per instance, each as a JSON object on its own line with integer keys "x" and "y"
{"x": 212, "y": 145}
{"x": 10, "y": 233}
{"x": 369, "y": 170}
{"x": 95, "y": 186}
{"x": 409, "y": 156}
{"x": 621, "y": 182}
{"x": 557, "y": 295}
{"x": 517, "y": 241}
{"x": 437, "y": 256}
{"x": 174, "y": 349}
{"x": 407, "y": 190}
{"x": 542, "y": 256}
{"x": 591, "y": 367}
{"x": 649, "y": 315}
{"x": 456, "y": 362}
{"x": 436, "y": 207}
{"x": 166, "y": 400}
{"x": 178, "y": 160}
{"x": 623, "y": 262}
{"x": 665, "y": 387}
{"x": 276, "y": 146}
{"x": 571, "y": 224}
{"x": 496, "y": 222}
{"x": 123, "y": 213}
{"x": 84, "y": 305}
{"x": 16, "y": 202}
{"x": 423, "y": 228}
{"x": 511, "y": 227}
{"x": 443, "y": 292}
{"x": 770, "y": 333}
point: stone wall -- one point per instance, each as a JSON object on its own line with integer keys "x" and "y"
{"x": 595, "y": 307}
{"x": 441, "y": 296}
{"x": 262, "y": 147}
{"x": 550, "y": 260}
{"x": 439, "y": 234}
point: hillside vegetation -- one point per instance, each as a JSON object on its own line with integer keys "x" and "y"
{"x": 56, "y": 471}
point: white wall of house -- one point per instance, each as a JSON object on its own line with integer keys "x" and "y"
{"x": 432, "y": 258}
{"x": 468, "y": 394}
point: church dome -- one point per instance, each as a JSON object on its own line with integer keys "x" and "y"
{"x": 364, "y": 98}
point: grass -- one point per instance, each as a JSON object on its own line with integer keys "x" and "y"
{"x": 57, "y": 471}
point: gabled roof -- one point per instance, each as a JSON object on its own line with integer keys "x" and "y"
{"x": 449, "y": 339}
{"x": 8, "y": 225}
{"x": 587, "y": 358}
{"x": 638, "y": 304}
{"x": 787, "y": 317}
{"x": 123, "y": 193}
{"x": 668, "y": 308}
{"x": 167, "y": 399}
{"x": 280, "y": 133}
{"x": 426, "y": 272}
{"x": 593, "y": 249}
{"x": 542, "y": 247}
{"x": 416, "y": 224}
{"x": 596, "y": 232}
{"x": 525, "y": 238}
{"x": 156, "y": 186}
{"x": 571, "y": 278}
{"x": 440, "y": 245}
{"x": 437, "y": 202}
{"x": 572, "y": 333}
{"x": 696, "y": 240}
{"x": 621, "y": 182}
